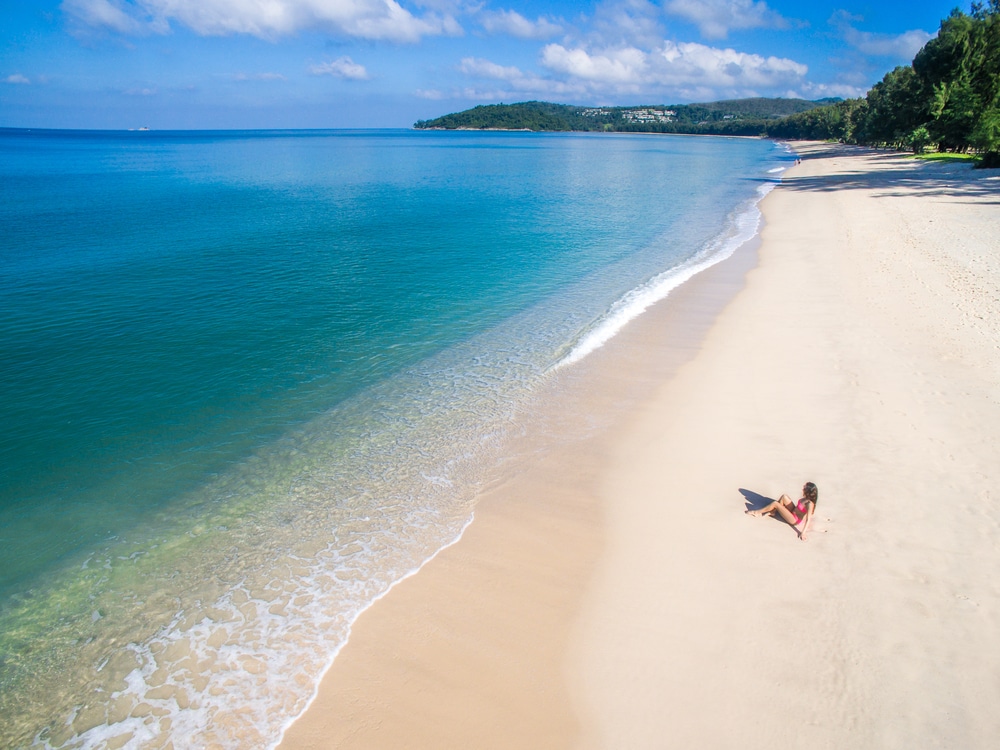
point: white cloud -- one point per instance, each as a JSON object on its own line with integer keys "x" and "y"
{"x": 623, "y": 65}
{"x": 16, "y": 78}
{"x": 342, "y": 67}
{"x": 686, "y": 66}
{"x": 140, "y": 91}
{"x": 365, "y": 19}
{"x": 513, "y": 23}
{"x": 668, "y": 70}
{"x": 690, "y": 63}
{"x": 716, "y": 18}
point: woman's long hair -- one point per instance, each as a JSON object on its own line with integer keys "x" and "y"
{"x": 811, "y": 492}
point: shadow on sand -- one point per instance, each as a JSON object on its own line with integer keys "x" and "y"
{"x": 908, "y": 176}
{"x": 754, "y": 500}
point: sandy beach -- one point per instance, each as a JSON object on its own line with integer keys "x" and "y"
{"x": 611, "y": 592}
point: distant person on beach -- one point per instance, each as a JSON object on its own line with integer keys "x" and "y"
{"x": 797, "y": 514}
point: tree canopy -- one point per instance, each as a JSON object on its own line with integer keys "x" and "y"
{"x": 949, "y": 98}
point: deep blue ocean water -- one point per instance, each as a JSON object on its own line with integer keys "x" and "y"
{"x": 250, "y": 379}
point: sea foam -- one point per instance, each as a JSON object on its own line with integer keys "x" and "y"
{"x": 741, "y": 227}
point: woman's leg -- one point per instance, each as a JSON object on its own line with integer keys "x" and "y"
{"x": 782, "y": 506}
{"x": 786, "y": 504}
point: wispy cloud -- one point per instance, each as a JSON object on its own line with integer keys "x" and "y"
{"x": 513, "y": 23}
{"x": 519, "y": 91}
{"x": 716, "y": 18}
{"x": 626, "y": 23}
{"x": 364, "y": 19}
{"x": 484, "y": 68}
{"x": 824, "y": 90}
{"x": 900, "y": 46}
{"x": 113, "y": 15}
{"x": 258, "y": 77}
{"x": 16, "y": 78}
{"x": 342, "y": 67}
{"x": 516, "y": 82}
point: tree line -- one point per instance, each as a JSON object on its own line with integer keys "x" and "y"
{"x": 947, "y": 99}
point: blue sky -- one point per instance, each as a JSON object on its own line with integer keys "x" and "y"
{"x": 386, "y": 63}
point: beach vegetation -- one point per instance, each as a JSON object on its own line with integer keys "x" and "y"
{"x": 948, "y": 99}
{"x": 920, "y": 138}
{"x": 946, "y": 156}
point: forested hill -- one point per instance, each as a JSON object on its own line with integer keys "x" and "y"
{"x": 733, "y": 117}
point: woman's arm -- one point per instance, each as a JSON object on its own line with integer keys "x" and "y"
{"x": 808, "y": 520}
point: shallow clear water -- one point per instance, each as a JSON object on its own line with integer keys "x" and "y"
{"x": 252, "y": 379}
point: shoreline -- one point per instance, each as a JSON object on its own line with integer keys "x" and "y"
{"x": 603, "y": 132}
{"x": 522, "y": 496}
{"x": 689, "y": 318}
{"x": 615, "y": 589}
{"x": 519, "y": 500}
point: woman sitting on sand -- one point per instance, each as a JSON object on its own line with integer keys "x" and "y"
{"x": 796, "y": 514}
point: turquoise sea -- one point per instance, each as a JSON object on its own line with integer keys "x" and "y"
{"x": 249, "y": 380}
